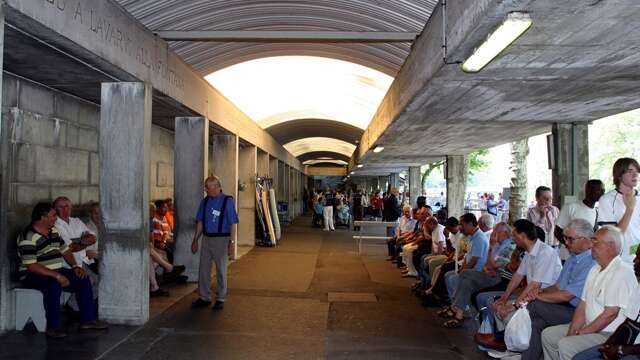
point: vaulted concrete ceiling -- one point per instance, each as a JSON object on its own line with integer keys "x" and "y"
{"x": 578, "y": 62}
{"x": 304, "y": 128}
{"x": 307, "y": 15}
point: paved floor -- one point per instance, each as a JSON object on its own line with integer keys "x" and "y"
{"x": 295, "y": 301}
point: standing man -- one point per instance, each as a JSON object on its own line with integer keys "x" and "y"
{"x": 391, "y": 210}
{"x": 585, "y": 209}
{"x": 619, "y": 206}
{"x": 327, "y": 210}
{"x": 544, "y": 214}
{"x": 218, "y": 221}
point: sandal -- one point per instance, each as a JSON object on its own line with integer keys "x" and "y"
{"x": 446, "y": 313}
{"x": 453, "y": 323}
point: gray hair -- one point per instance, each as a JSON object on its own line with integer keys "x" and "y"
{"x": 407, "y": 207}
{"x": 505, "y": 227}
{"x": 487, "y": 220}
{"x": 614, "y": 235}
{"x": 582, "y": 227}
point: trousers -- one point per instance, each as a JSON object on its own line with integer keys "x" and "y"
{"x": 214, "y": 250}
{"x": 543, "y": 315}
{"x": 327, "y": 212}
{"x": 51, "y": 291}
{"x": 556, "y": 345}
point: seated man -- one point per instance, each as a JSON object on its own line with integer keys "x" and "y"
{"x": 406, "y": 227}
{"x": 556, "y": 304}
{"x": 540, "y": 267}
{"x": 42, "y": 254}
{"x": 621, "y": 344}
{"x": 77, "y": 237}
{"x": 433, "y": 232}
{"x": 610, "y": 295}
{"x": 416, "y": 236}
{"x": 485, "y": 223}
{"x": 470, "y": 281}
{"x": 161, "y": 237}
{"x": 476, "y": 256}
{"x": 93, "y": 224}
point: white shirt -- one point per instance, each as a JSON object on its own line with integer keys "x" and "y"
{"x": 541, "y": 265}
{"x": 576, "y": 210}
{"x": 406, "y": 225}
{"x": 616, "y": 285}
{"x": 611, "y": 209}
{"x": 72, "y": 230}
{"x": 94, "y": 229}
{"x": 437, "y": 237}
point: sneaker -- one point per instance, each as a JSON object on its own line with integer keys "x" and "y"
{"x": 200, "y": 303}
{"x": 94, "y": 325}
{"x": 496, "y": 354}
{"x": 219, "y": 305}
{"x": 56, "y": 334}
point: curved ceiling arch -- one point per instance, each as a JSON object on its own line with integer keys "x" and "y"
{"x": 279, "y": 89}
{"x": 302, "y": 146}
{"x": 323, "y": 162}
{"x": 323, "y": 155}
{"x": 304, "y": 128}
{"x": 304, "y": 15}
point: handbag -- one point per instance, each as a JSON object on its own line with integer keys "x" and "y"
{"x": 625, "y": 334}
{"x": 518, "y": 331}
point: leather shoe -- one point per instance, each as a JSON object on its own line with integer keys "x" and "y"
{"x": 200, "y": 303}
{"x": 219, "y": 305}
{"x": 56, "y": 334}
{"x": 94, "y": 325}
{"x": 489, "y": 341}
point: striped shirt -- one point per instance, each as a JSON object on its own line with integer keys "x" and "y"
{"x": 34, "y": 247}
{"x": 161, "y": 232}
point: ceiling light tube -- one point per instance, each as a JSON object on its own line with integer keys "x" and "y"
{"x": 378, "y": 149}
{"x": 359, "y": 166}
{"x": 509, "y": 31}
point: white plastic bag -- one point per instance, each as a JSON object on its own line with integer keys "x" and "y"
{"x": 518, "y": 331}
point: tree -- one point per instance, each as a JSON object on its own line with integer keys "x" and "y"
{"x": 518, "y": 197}
{"x": 476, "y": 161}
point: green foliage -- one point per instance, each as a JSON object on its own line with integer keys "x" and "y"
{"x": 432, "y": 174}
{"x": 612, "y": 138}
{"x": 478, "y": 161}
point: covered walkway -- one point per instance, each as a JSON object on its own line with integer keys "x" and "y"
{"x": 292, "y": 301}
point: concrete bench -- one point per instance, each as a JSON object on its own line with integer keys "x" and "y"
{"x": 29, "y": 305}
{"x": 359, "y": 239}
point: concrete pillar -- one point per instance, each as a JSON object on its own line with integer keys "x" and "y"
{"x": 224, "y": 163}
{"x": 281, "y": 183}
{"x": 125, "y": 132}
{"x": 247, "y": 163}
{"x": 456, "y": 175}
{"x": 415, "y": 184}
{"x": 394, "y": 179}
{"x": 263, "y": 164}
{"x": 6, "y": 307}
{"x": 191, "y": 167}
{"x": 288, "y": 190}
{"x": 570, "y": 162}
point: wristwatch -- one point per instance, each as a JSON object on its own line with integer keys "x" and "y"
{"x": 620, "y": 353}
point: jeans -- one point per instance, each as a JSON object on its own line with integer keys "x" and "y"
{"x": 485, "y": 302}
{"x": 51, "y": 291}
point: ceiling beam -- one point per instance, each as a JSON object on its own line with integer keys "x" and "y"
{"x": 287, "y": 36}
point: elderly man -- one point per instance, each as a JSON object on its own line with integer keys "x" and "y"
{"x": 610, "y": 295}
{"x": 556, "y": 304}
{"x": 407, "y": 225}
{"x": 619, "y": 206}
{"x": 218, "y": 220}
{"x": 433, "y": 232}
{"x": 77, "y": 237}
{"x": 42, "y": 255}
{"x": 485, "y": 223}
{"x": 471, "y": 280}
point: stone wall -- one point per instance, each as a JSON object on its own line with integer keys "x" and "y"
{"x": 162, "y": 153}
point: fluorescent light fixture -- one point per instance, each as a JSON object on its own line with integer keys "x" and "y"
{"x": 378, "y": 149}
{"x": 353, "y": 172}
{"x": 359, "y": 166}
{"x": 511, "y": 29}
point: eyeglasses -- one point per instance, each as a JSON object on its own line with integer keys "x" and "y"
{"x": 571, "y": 238}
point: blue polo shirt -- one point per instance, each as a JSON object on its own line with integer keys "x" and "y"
{"x": 574, "y": 274}
{"x": 214, "y": 206}
{"x": 479, "y": 248}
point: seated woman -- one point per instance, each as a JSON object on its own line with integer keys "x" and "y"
{"x": 343, "y": 213}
